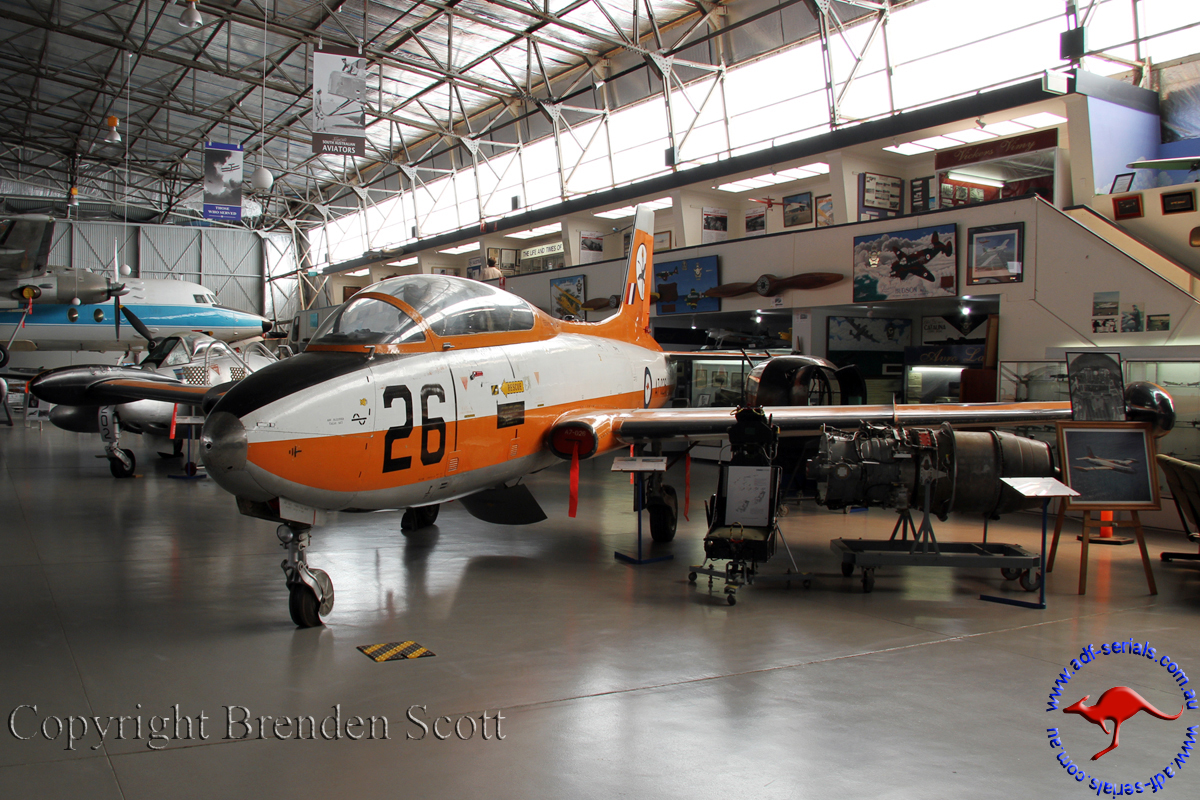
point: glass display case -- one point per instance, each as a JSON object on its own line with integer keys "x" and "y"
{"x": 1181, "y": 379}
{"x": 1037, "y": 381}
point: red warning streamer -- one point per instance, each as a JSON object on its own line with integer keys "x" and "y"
{"x": 174, "y": 412}
{"x": 687, "y": 485}
{"x": 574, "y": 502}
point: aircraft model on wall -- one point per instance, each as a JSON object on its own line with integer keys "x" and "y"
{"x": 192, "y": 359}
{"x": 61, "y": 308}
{"x": 428, "y": 388}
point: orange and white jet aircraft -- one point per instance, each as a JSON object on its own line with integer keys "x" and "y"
{"x": 429, "y": 388}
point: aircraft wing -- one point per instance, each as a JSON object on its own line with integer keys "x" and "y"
{"x": 599, "y": 429}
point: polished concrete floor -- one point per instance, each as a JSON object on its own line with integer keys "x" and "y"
{"x": 612, "y": 681}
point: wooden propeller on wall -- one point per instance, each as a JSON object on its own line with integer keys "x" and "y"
{"x": 770, "y": 285}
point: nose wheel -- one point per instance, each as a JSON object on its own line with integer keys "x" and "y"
{"x": 310, "y": 591}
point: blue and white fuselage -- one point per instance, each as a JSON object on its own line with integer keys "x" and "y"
{"x": 163, "y": 306}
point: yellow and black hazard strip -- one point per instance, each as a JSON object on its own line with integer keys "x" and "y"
{"x": 394, "y": 651}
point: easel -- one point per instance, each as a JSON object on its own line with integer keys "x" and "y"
{"x": 1089, "y": 522}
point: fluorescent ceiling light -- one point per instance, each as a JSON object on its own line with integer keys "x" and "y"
{"x": 1005, "y": 128}
{"x": 936, "y": 142}
{"x": 358, "y": 273}
{"x": 462, "y": 248}
{"x": 1042, "y": 120}
{"x": 738, "y": 186}
{"x": 616, "y": 213}
{"x": 532, "y": 232}
{"x": 819, "y": 167}
{"x": 659, "y": 204}
{"x": 962, "y": 177}
{"x": 408, "y": 262}
{"x": 970, "y": 136}
{"x": 908, "y": 149}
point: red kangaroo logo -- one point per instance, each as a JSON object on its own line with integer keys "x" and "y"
{"x": 1117, "y": 704}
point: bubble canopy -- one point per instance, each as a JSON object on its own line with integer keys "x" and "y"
{"x": 444, "y": 305}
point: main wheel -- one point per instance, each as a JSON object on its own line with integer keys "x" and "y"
{"x": 1010, "y": 573}
{"x": 416, "y": 518}
{"x": 118, "y": 468}
{"x": 304, "y": 606}
{"x": 868, "y": 580}
{"x": 3, "y": 355}
{"x": 731, "y": 600}
{"x": 847, "y": 569}
{"x": 664, "y": 515}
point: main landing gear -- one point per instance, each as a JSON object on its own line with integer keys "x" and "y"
{"x": 416, "y": 518}
{"x": 310, "y": 591}
{"x": 121, "y": 462}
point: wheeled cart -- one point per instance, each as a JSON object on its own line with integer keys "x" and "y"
{"x": 1013, "y": 561}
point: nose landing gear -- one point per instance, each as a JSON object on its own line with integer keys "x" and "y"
{"x": 310, "y": 591}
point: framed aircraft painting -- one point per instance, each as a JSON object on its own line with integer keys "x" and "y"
{"x": 1110, "y": 464}
{"x": 906, "y": 265}
{"x": 868, "y": 333}
{"x": 995, "y": 254}
{"x": 682, "y": 286}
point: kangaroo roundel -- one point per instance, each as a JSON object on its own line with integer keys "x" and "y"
{"x": 641, "y": 271}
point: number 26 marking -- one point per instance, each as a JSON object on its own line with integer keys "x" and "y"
{"x": 429, "y": 425}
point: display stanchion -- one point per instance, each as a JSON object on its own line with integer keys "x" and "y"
{"x": 637, "y": 466}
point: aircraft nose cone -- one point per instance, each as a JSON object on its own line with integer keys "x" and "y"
{"x": 223, "y": 443}
{"x": 267, "y": 325}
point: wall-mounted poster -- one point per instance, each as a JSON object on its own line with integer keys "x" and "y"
{"x": 1097, "y": 386}
{"x": 681, "y": 285}
{"x": 1110, "y": 464}
{"x": 824, "y": 205}
{"x": 339, "y": 122}
{"x": 954, "y": 329}
{"x": 904, "y": 265}
{"x": 756, "y": 221}
{"x": 996, "y": 254}
{"x": 868, "y": 333}
{"x": 567, "y": 296}
{"x": 1104, "y": 304}
{"x": 591, "y": 246}
{"x": 714, "y": 225}
{"x": 797, "y": 210}
{"x": 920, "y": 195}
{"x": 1127, "y": 207}
{"x": 493, "y": 255}
{"x": 1158, "y": 322}
{"x": 1133, "y": 316}
{"x": 882, "y": 191}
{"x": 508, "y": 260}
{"x": 223, "y": 181}
{"x": 1179, "y": 202}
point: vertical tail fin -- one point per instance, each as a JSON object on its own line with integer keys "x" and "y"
{"x": 632, "y": 321}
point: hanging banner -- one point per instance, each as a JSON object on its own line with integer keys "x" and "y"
{"x": 223, "y": 181}
{"x": 339, "y": 121}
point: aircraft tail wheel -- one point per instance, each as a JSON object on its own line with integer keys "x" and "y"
{"x": 664, "y": 513}
{"x": 118, "y": 468}
{"x": 3, "y": 356}
{"x": 304, "y": 607}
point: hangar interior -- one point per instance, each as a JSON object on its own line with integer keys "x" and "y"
{"x": 958, "y": 203}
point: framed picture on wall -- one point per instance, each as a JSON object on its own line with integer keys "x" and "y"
{"x": 995, "y": 254}
{"x": 493, "y": 254}
{"x": 1110, "y": 464}
{"x": 882, "y": 191}
{"x": 1127, "y": 207}
{"x": 906, "y": 265}
{"x": 824, "y": 205}
{"x": 662, "y": 241}
{"x": 1179, "y": 202}
{"x": 797, "y": 210}
{"x": 1122, "y": 183}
